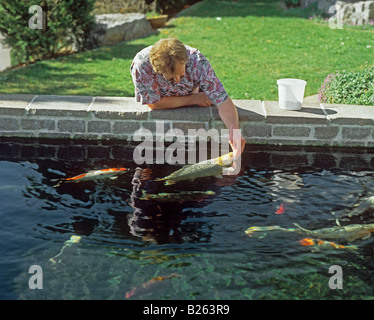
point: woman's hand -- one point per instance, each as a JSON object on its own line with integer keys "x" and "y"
{"x": 201, "y": 99}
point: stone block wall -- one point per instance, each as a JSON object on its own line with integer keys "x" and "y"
{"x": 288, "y": 157}
{"x": 115, "y": 118}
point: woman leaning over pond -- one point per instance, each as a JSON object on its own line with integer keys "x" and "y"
{"x": 170, "y": 75}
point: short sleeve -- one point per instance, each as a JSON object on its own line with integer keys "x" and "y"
{"x": 147, "y": 90}
{"x": 210, "y": 83}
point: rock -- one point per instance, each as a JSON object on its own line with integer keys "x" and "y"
{"x": 353, "y": 5}
{"x": 4, "y": 55}
{"x": 113, "y": 28}
{"x": 355, "y": 13}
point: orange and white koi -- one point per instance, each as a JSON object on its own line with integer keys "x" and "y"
{"x": 110, "y": 173}
{"x": 346, "y": 233}
{"x": 145, "y": 286}
{"x": 321, "y": 244}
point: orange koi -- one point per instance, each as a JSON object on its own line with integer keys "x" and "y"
{"x": 324, "y": 244}
{"x": 307, "y": 242}
{"x": 281, "y": 209}
{"x": 111, "y": 173}
{"x": 149, "y": 284}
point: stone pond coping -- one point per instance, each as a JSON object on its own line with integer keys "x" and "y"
{"x": 117, "y": 118}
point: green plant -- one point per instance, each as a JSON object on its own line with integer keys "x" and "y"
{"x": 166, "y": 6}
{"x": 349, "y": 87}
{"x": 64, "y": 24}
{"x": 152, "y": 14}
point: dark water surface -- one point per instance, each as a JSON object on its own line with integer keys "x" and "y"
{"x": 199, "y": 249}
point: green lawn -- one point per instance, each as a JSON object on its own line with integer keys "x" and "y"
{"x": 250, "y": 46}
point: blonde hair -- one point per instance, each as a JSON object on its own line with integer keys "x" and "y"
{"x": 166, "y": 53}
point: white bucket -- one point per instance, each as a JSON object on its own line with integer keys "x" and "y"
{"x": 291, "y": 93}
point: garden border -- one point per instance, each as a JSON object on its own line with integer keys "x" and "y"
{"x": 117, "y": 118}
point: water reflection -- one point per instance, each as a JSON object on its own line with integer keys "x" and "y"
{"x": 149, "y": 220}
{"x": 159, "y": 221}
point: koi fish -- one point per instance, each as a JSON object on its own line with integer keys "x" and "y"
{"x": 348, "y": 233}
{"x": 262, "y": 231}
{"x": 281, "y": 209}
{"x": 111, "y": 173}
{"x": 145, "y": 286}
{"x": 181, "y": 197}
{"x": 251, "y": 230}
{"x": 73, "y": 239}
{"x": 321, "y": 244}
{"x": 207, "y": 168}
{"x": 363, "y": 206}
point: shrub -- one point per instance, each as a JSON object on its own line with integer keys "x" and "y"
{"x": 66, "y": 23}
{"x": 349, "y": 87}
{"x": 292, "y": 3}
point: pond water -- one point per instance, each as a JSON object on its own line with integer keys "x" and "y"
{"x": 183, "y": 250}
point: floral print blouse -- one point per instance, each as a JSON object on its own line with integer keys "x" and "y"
{"x": 150, "y": 87}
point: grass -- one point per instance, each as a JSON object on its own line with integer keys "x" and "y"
{"x": 250, "y": 44}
